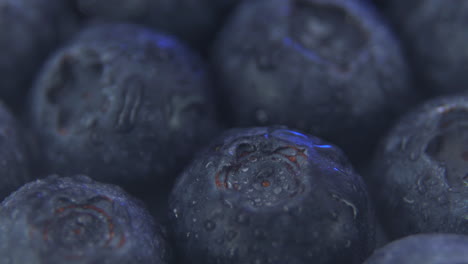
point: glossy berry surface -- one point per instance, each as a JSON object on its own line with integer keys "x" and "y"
{"x": 124, "y": 105}
{"x": 424, "y": 249}
{"x": 331, "y": 68}
{"x": 30, "y": 30}
{"x": 77, "y": 220}
{"x": 271, "y": 195}
{"x": 15, "y": 157}
{"x": 420, "y": 172}
{"x": 434, "y": 33}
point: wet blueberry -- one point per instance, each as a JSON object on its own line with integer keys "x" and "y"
{"x": 424, "y": 249}
{"x": 434, "y": 32}
{"x": 30, "y": 30}
{"x": 78, "y": 220}
{"x": 271, "y": 195}
{"x": 124, "y": 105}
{"x": 331, "y": 68}
{"x": 420, "y": 173}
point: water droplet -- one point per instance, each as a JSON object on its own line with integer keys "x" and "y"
{"x": 245, "y": 169}
{"x": 257, "y": 186}
{"x": 175, "y": 213}
{"x": 277, "y": 190}
{"x": 194, "y": 220}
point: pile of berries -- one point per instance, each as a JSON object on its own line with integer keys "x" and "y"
{"x": 230, "y": 131}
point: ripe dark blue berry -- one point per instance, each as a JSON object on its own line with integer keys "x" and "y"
{"x": 77, "y": 220}
{"x": 271, "y": 195}
{"x": 30, "y": 30}
{"x": 434, "y": 32}
{"x": 123, "y": 105}
{"x": 330, "y": 68}
{"x": 420, "y": 172}
{"x": 15, "y": 157}
{"x": 424, "y": 249}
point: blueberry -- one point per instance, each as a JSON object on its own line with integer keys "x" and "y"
{"x": 330, "y": 68}
{"x": 194, "y": 21}
{"x": 15, "y": 157}
{"x": 271, "y": 195}
{"x": 123, "y": 105}
{"x": 435, "y": 35}
{"x": 78, "y": 220}
{"x": 30, "y": 30}
{"x": 420, "y": 172}
{"x": 424, "y": 248}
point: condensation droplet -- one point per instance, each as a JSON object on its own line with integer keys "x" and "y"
{"x": 277, "y": 190}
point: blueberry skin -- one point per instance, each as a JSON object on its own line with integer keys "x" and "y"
{"x": 420, "y": 172}
{"x": 123, "y": 105}
{"x": 78, "y": 220}
{"x": 271, "y": 195}
{"x": 328, "y": 67}
{"x": 195, "y": 21}
{"x": 423, "y": 249}
{"x": 30, "y": 30}
{"x": 15, "y": 154}
{"x": 434, "y": 33}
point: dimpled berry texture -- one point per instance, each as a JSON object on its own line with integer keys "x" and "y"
{"x": 194, "y": 21}
{"x": 15, "y": 160}
{"x": 30, "y": 29}
{"x": 123, "y": 105}
{"x": 271, "y": 195}
{"x": 420, "y": 172}
{"x": 77, "y": 220}
{"x": 328, "y": 67}
{"x": 424, "y": 249}
{"x": 435, "y": 35}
